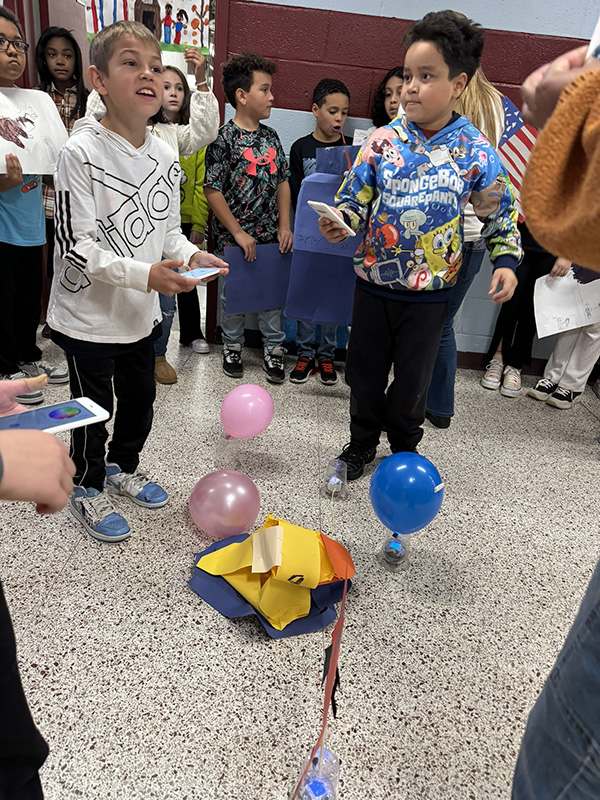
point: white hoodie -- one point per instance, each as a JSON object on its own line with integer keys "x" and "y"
{"x": 116, "y": 214}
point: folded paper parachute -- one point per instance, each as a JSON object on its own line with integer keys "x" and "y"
{"x": 303, "y": 577}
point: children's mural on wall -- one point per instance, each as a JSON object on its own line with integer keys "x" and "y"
{"x": 183, "y": 23}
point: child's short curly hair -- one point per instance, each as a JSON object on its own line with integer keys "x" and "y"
{"x": 459, "y": 40}
{"x": 238, "y": 73}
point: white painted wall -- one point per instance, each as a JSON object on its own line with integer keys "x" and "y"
{"x": 552, "y": 17}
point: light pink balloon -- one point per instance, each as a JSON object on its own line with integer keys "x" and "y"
{"x": 224, "y": 503}
{"x": 247, "y": 411}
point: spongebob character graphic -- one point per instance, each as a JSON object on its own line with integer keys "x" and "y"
{"x": 418, "y": 275}
{"x": 442, "y": 249}
{"x": 388, "y": 151}
{"x": 412, "y": 219}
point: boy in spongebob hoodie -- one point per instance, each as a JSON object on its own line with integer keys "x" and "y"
{"x": 431, "y": 161}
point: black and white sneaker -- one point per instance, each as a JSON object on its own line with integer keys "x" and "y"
{"x": 563, "y": 398}
{"x": 232, "y": 360}
{"x": 273, "y": 364}
{"x": 356, "y": 456}
{"x": 542, "y": 390}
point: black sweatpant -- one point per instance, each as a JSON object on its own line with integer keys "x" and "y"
{"x": 515, "y": 325}
{"x": 22, "y": 747}
{"x": 131, "y": 373}
{"x": 21, "y": 297}
{"x": 188, "y": 307}
{"x": 385, "y": 333}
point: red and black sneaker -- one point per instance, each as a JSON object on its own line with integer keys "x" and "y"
{"x": 327, "y": 370}
{"x": 303, "y": 370}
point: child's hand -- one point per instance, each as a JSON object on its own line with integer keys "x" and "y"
{"x": 286, "y": 240}
{"x": 196, "y": 237}
{"x": 560, "y": 268}
{"x": 248, "y": 245}
{"x": 193, "y": 56}
{"x": 14, "y": 174}
{"x": 331, "y": 230}
{"x": 508, "y": 279}
{"x": 164, "y": 279}
{"x": 202, "y": 259}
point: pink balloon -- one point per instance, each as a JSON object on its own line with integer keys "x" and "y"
{"x": 247, "y": 411}
{"x": 224, "y": 503}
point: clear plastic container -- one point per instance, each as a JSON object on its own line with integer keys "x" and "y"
{"x": 321, "y": 784}
{"x": 336, "y": 478}
{"x": 396, "y": 551}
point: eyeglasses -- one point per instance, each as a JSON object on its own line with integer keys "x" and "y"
{"x": 20, "y": 47}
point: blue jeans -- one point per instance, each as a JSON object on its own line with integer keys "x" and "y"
{"x": 440, "y": 399}
{"x": 270, "y": 323}
{"x": 167, "y": 306}
{"x": 305, "y": 340}
{"x": 560, "y": 752}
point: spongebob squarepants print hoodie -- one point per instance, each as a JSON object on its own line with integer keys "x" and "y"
{"x": 408, "y": 194}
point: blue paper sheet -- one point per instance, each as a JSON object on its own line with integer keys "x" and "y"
{"x": 219, "y": 594}
{"x": 307, "y": 235}
{"x": 256, "y": 285}
{"x": 321, "y": 288}
{"x": 333, "y": 159}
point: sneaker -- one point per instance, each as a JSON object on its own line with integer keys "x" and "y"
{"x": 273, "y": 364}
{"x": 511, "y": 382}
{"x": 98, "y": 516}
{"x": 327, "y": 371}
{"x": 28, "y": 398}
{"x": 232, "y": 360}
{"x": 200, "y": 346}
{"x": 492, "y": 377}
{"x": 163, "y": 371}
{"x": 437, "y": 421}
{"x": 356, "y": 456}
{"x": 563, "y": 398}
{"x": 303, "y": 370}
{"x": 542, "y": 390}
{"x": 136, "y": 487}
{"x": 55, "y": 375}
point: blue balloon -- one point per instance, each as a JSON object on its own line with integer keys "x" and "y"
{"x": 406, "y": 492}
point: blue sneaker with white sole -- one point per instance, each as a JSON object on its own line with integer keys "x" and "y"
{"x": 136, "y": 487}
{"x": 98, "y": 516}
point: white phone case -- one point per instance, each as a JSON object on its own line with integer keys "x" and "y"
{"x": 57, "y": 417}
{"x": 323, "y": 210}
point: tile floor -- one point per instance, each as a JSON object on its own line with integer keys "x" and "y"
{"x": 143, "y": 691}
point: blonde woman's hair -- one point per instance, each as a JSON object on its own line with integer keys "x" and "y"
{"x": 104, "y": 43}
{"x": 481, "y": 103}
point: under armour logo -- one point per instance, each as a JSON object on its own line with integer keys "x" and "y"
{"x": 261, "y": 161}
{"x": 296, "y": 579}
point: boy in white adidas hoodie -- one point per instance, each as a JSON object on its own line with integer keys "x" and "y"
{"x": 117, "y": 215}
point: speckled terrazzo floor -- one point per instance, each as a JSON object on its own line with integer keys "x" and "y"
{"x": 143, "y": 691}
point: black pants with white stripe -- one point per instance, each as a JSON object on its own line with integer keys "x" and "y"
{"x": 130, "y": 373}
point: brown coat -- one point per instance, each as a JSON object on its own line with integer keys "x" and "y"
{"x": 561, "y": 190}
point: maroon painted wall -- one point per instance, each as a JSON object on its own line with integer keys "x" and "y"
{"x": 310, "y": 44}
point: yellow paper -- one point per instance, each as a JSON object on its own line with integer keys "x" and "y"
{"x": 281, "y": 591}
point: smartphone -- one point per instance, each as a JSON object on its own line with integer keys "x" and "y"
{"x": 594, "y": 48}
{"x": 56, "y": 418}
{"x": 323, "y": 210}
{"x": 199, "y": 272}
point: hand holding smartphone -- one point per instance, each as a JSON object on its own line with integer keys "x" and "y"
{"x": 57, "y": 417}
{"x": 323, "y": 210}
